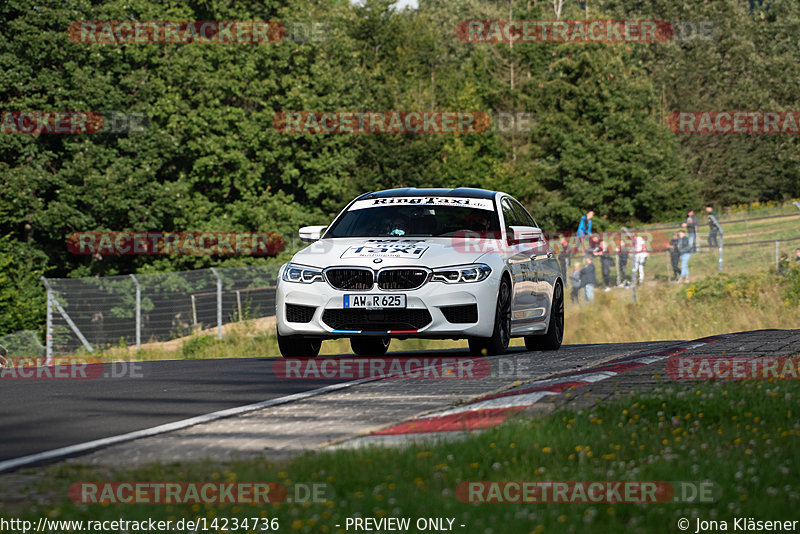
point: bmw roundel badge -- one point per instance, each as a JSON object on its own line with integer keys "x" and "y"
{"x": 377, "y": 260}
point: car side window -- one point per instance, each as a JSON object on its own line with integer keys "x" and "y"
{"x": 509, "y": 218}
{"x": 523, "y": 215}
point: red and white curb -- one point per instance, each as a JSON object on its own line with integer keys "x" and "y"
{"x": 491, "y": 410}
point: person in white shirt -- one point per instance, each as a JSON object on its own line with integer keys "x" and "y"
{"x": 640, "y": 255}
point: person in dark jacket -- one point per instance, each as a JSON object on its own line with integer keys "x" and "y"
{"x": 563, "y": 255}
{"x": 606, "y": 263}
{"x": 575, "y": 282}
{"x": 712, "y": 228}
{"x": 588, "y": 279}
{"x": 675, "y": 257}
{"x": 623, "y": 261}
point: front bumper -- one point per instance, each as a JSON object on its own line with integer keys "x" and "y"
{"x": 423, "y": 316}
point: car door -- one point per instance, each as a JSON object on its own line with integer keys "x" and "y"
{"x": 521, "y": 267}
{"x": 540, "y": 258}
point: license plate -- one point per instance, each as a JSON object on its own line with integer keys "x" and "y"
{"x": 374, "y": 302}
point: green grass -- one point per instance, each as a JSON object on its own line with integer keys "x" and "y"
{"x": 740, "y": 436}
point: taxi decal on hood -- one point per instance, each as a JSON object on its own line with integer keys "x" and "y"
{"x": 387, "y": 248}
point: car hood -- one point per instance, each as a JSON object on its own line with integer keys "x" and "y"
{"x": 363, "y": 251}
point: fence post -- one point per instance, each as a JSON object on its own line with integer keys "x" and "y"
{"x": 239, "y": 303}
{"x": 67, "y": 318}
{"x": 219, "y": 303}
{"x": 138, "y": 313}
{"x": 48, "y": 333}
{"x": 777, "y": 266}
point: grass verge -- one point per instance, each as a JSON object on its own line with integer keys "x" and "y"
{"x": 715, "y": 305}
{"x": 741, "y": 436}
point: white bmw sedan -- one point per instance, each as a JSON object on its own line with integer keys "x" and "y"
{"x": 432, "y": 263}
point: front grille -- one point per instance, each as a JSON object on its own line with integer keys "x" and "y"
{"x": 299, "y": 314}
{"x": 401, "y": 278}
{"x": 461, "y": 314}
{"x": 350, "y": 319}
{"x": 349, "y": 278}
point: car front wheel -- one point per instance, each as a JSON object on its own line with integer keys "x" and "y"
{"x": 299, "y": 346}
{"x": 555, "y": 330}
{"x": 501, "y": 335}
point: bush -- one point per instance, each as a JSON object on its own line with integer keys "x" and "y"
{"x": 722, "y": 286}
{"x": 196, "y": 345}
{"x": 791, "y": 286}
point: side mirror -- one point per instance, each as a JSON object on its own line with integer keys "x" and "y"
{"x": 526, "y": 234}
{"x": 310, "y": 234}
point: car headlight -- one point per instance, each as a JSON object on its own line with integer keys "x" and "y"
{"x": 302, "y": 274}
{"x": 462, "y": 273}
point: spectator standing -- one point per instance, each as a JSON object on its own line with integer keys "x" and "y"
{"x": 563, "y": 255}
{"x": 575, "y": 282}
{"x": 623, "y": 261}
{"x": 712, "y": 228}
{"x": 797, "y": 255}
{"x": 640, "y": 255}
{"x": 686, "y": 252}
{"x": 588, "y": 279}
{"x": 691, "y": 226}
{"x": 675, "y": 257}
{"x": 606, "y": 263}
{"x": 585, "y": 226}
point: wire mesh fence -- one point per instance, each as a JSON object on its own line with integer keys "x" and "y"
{"x": 100, "y": 312}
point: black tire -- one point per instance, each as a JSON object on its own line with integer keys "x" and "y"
{"x": 501, "y": 335}
{"x": 370, "y": 346}
{"x": 555, "y": 329}
{"x": 299, "y": 346}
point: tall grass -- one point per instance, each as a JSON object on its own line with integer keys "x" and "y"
{"x": 718, "y": 304}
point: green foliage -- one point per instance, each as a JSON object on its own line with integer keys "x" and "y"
{"x": 721, "y": 286}
{"x": 22, "y": 297}
{"x": 195, "y": 346}
{"x": 791, "y": 285}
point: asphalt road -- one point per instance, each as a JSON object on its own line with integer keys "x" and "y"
{"x": 45, "y": 414}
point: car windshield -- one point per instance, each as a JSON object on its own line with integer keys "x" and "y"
{"x": 416, "y": 217}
